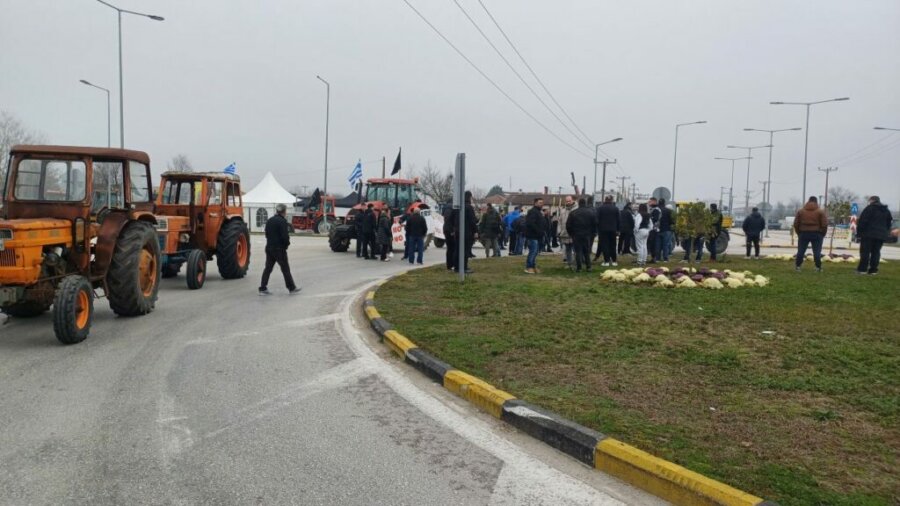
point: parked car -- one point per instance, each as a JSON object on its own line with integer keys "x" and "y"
{"x": 773, "y": 225}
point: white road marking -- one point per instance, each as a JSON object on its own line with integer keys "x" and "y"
{"x": 336, "y": 377}
{"x": 523, "y": 480}
{"x": 527, "y": 412}
{"x": 332, "y": 294}
{"x": 174, "y": 436}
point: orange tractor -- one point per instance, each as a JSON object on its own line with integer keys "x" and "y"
{"x": 200, "y": 216}
{"x": 77, "y": 221}
{"x": 317, "y": 214}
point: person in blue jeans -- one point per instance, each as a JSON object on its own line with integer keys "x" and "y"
{"x": 416, "y": 230}
{"x": 534, "y": 230}
{"x": 665, "y": 235}
{"x": 811, "y": 224}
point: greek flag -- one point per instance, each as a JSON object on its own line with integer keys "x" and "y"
{"x": 231, "y": 169}
{"x": 355, "y": 176}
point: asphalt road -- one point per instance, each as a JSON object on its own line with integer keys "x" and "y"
{"x": 221, "y": 396}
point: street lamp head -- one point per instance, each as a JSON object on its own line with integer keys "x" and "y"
{"x": 82, "y": 81}
{"x": 735, "y": 147}
{"x": 700, "y": 122}
{"x": 841, "y": 99}
{"x": 776, "y": 103}
{"x": 797, "y": 128}
{"x": 617, "y": 139}
{"x": 156, "y": 18}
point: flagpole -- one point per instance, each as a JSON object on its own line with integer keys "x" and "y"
{"x": 383, "y": 166}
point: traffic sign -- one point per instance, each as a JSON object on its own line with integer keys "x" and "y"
{"x": 662, "y": 193}
{"x": 854, "y": 208}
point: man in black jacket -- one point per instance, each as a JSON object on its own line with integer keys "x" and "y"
{"x": 664, "y": 235}
{"x": 626, "y": 230}
{"x": 753, "y": 227}
{"x": 874, "y": 227}
{"x": 278, "y": 238}
{"x": 607, "y": 227}
{"x": 581, "y": 225}
{"x": 534, "y": 231}
{"x": 367, "y": 228}
{"x": 416, "y": 230}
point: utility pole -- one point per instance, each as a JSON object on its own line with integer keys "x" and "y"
{"x": 622, "y": 179}
{"x": 827, "y": 172}
{"x": 383, "y": 167}
{"x": 603, "y": 185}
{"x": 633, "y": 191}
{"x": 722, "y": 192}
{"x": 765, "y": 202}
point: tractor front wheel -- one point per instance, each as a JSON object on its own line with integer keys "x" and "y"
{"x": 323, "y": 225}
{"x": 438, "y": 243}
{"x": 73, "y": 309}
{"x": 196, "y": 269}
{"x": 133, "y": 276}
{"x": 233, "y": 250}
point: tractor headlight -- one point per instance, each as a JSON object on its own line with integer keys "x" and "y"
{"x": 185, "y": 237}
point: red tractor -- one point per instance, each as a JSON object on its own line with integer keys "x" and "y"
{"x": 399, "y": 195}
{"x": 317, "y": 214}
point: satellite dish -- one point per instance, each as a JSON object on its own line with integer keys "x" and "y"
{"x": 662, "y": 193}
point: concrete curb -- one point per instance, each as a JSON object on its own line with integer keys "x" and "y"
{"x": 664, "y": 479}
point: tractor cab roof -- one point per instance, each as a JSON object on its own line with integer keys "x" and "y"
{"x": 193, "y": 176}
{"x": 128, "y": 154}
{"x": 391, "y": 180}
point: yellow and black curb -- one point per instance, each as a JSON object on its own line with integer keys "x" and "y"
{"x": 662, "y": 478}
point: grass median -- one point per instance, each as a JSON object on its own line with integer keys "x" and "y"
{"x": 789, "y": 391}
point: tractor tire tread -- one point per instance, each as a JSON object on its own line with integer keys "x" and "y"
{"x": 64, "y": 306}
{"x": 123, "y": 277}
{"x": 226, "y": 250}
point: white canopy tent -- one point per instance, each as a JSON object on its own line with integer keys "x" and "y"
{"x": 260, "y": 202}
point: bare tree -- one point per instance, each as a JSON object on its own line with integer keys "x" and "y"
{"x": 841, "y": 194}
{"x": 180, "y": 163}
{"x": 12, "y": 132}
{"x": 435, "y": 183}
{"x": 478, "y": 193}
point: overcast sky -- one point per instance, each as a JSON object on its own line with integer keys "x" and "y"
{"x": 235, "y": 81}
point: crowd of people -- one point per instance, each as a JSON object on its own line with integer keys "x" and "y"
{"x": 645, "y": 231}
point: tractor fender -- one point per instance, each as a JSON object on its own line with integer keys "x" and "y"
{"x": 144, "y": 216}
{"x": 109, "y": 231}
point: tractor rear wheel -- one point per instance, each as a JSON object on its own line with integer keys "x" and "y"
{"x": 27, "y": 309}
{"x": 73, "y": 309}
{"x": 134, "y": 272}
{"x": 196, "y": 269}
{"x": 438, "y": 243}
{"x": 233, "y": 250}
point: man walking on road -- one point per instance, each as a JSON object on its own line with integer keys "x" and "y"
{"x": 278, "y": 239}
{"x": 608, "y": 227}
{"x": 534, "y": 230}
{"x": 874, "y": 228}
{"x": 811, "y": 225}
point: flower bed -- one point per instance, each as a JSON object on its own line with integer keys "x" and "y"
{"x": 832, "y": 258}
{"x": 685, "y": 277}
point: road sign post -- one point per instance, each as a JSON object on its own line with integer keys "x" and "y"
{"x": 459, "y": 203}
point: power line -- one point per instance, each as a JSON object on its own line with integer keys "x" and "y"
{"x": 867, "y": 146}
{"x": 516, "y": 72}
{"x": 876, "y": 152}
{"x": 533, "y": 73}
{"x": 494, "y": 84}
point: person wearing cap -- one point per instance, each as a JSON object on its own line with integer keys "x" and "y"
{"x": 811, "y": 225}
{"x": 278, "y": 238}
{"x": 873, "y": 228}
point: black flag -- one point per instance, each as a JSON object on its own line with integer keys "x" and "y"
{"x": 314, "y": 199}
{"x": 397, "y": 163}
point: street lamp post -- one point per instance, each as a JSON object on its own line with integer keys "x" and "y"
{"x": 749, "y": 157}
{"x": 890, "y": 130}
{"x": 768, "y": 195}
{"x": 675, "y": 156}
{"x": 327, "y": 117}
{"x": 108, "y": 120}
{"x": 121, "y": 91}
{"x": 596, "y": 162}
{"x": 731, "y": 187}
{"x": 806, "y": 142}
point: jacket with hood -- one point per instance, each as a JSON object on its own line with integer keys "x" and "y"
{"x": 564, "y": 214}
{"x": 811, "y": 218}
{"x": 608, "y": 218}
{"x": 665, "y": 219}
{"x": 383, "y": 234}
{"x": 754, "y": 224}
{"x": 510, "y": 220}
{"x": 489, "y": 226}
{"x": 875, "y": 222}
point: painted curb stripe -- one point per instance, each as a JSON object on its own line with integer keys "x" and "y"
{"x": 665, "y": 479}
{"x": 428, "y": 365}
{"x": 398, "y": 342}
{"x": 662, "y": 478}
{"x": 372, "y": 313}
{"x": 477, "y": 391}
{"x": 566, "y": 436}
